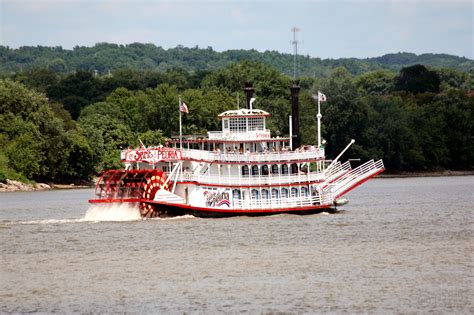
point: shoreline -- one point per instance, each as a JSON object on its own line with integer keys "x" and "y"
{"x": 15, "y": 186}
{"x": 445, "y": 173}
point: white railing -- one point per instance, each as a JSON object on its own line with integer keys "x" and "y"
{"x": 292, "y": 202}
{"x": 351, "y": 178}
{"x": 251, "y": 180}
{"x": 239, "y": 136}
{"x": 337, "y": 170}
{"x": 282, "y": 156}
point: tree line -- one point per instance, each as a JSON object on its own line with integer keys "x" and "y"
{"x": 105, "y": 57}
{"x": 56, "y": 126}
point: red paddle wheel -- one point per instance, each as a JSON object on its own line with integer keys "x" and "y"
{"x": 133, "y": 186}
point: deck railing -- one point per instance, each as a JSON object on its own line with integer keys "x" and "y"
{"x": 282, "y": 156}
{"x": 355, "y": 176}
{"x": 291, "y": 202}
{"x": 225, "y": 179}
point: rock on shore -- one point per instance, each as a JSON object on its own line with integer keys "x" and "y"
{"x": 13, "y": 185}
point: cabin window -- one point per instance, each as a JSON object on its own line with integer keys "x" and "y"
{"x": 238, "y": 125}
{"x": 226, "y": 124}
{"x": 236, "y": 194}
{"x": 304, "y": 191}
{"x": 294, "y": 192}
{"x": 284, "y": 169}
{"x": 254, "y": 170}
{"x": 255, "y": 194}
{"x": 245, "y": 170}
{"x": 265, "y": 170}
{"x": 284, "y": 193}
{"x": 265, "y": 194}
{"x": 294, "y": 168}
{"x": 275, "y": 193}
{"x": 275, "y": 169}
{"x": 256, "y": 123}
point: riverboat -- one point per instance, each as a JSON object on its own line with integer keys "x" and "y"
{"x": 240, "y": 170}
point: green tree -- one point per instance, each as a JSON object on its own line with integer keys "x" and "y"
{"x": 417, "y": 79}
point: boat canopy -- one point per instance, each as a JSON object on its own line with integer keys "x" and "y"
{"x": 244, "y": 112}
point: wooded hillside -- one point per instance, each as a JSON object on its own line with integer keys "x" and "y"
{"x": 57, "y": 124}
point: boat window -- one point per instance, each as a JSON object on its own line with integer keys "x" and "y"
{"x": 238, "y": 124}
{"x": 255, "y": 170}
{"x": 275, "y": 169}
{"x": 284, "y": 193}
{"x": 294, "y": 168}
{"x": 284, "y": 169}
{"x": 256, "y": 123}
{"x": 226, "y": 124}
{"x": 255, "y": 194}
{"x": 236, "y": 194}
{"x": 294, "y": 192}
{"x": 304, "y": 191}
{"x": 245, "y": 170}
{"x": 265, "y": 194}
{"x": 265, "y": 170}
{"x": 275, "y": 193}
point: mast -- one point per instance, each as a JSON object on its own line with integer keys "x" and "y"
{"x": 295, "y": 90}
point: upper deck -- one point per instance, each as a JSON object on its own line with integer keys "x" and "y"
{"x": 156, "y": 155}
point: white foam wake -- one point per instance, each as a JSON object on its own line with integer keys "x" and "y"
{"x": 112, "y": 212}
{"x": 47, "y": 221}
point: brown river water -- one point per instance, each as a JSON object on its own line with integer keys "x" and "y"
{"x": 400, "y": 246}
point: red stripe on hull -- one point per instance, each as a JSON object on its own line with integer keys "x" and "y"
{"x": 180, "y": 209}
{"x": 188, "y": 208}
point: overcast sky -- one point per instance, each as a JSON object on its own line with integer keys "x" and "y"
{"x": 329, "y": 29}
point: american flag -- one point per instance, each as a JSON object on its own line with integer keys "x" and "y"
{"x": 321, "y": 97}
{"x": 183, "y": 108}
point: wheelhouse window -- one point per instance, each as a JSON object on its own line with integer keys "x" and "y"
{"x": 256, "y": 123}
{"x": 238, "y": 124}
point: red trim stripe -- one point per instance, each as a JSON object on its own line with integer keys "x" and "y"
{"x": 241, "y": 211}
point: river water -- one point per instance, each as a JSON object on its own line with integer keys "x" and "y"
{"x": 400, "y": 245}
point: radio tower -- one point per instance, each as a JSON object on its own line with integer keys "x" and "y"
{"x": 295, "y": 50}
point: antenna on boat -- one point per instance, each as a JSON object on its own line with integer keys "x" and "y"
{"x": 295, "y": 50}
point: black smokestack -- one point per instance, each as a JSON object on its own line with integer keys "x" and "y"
{"x": 248, "y": 90}
{"x": 295, "y": 114}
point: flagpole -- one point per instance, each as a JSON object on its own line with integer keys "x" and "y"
{"x": 180, "y": 126}
{"x": 319, "y": 120}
